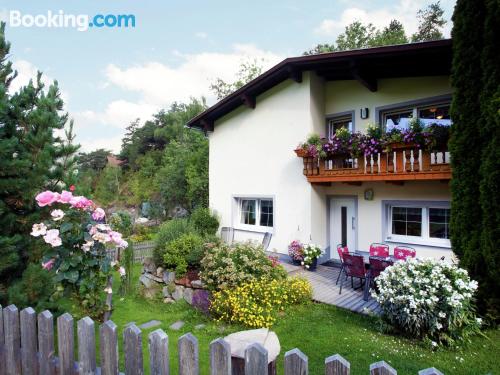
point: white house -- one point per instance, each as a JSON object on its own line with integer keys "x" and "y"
{"x": 257, "y": 183}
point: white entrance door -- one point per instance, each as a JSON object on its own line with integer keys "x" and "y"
{"x": 342, "y": 224}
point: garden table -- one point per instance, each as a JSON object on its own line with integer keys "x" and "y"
{"x": 366, "y": 257}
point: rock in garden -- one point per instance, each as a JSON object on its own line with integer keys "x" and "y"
{"x": 197, "y": 284}
{"x": 150, "y": 324}
{"x": 166, "y": 292}
{"x": 178, "y": 292}
{"x": 177, "y": 325}
{"x": 149, "y": 265}
{"x": 168, "y": 277}
{"x": 153, "y": 277}
{"x": 188, "y": 295}
{"x": 168, "y": 300}
{"x": 239, "y": 341}
{"x": 146, "y": 281}
{"x": 159, "y": 272}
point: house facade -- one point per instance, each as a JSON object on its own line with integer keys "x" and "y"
{"x": 258, "y": 184}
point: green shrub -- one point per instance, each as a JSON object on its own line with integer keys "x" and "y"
{"x": 169, "y": 231}
{"x": 34, "y": 289}
{"x": 226, "y": 267}
{"x": 121, "y": 221}
{"x": 204, "y": 221}
{"x": 183, "y": 252}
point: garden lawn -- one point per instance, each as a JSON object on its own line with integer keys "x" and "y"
{"x": 319, "y": 331}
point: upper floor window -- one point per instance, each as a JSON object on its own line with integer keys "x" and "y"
{"x": 435, "y": 113}
{"x": 337, "y": 122}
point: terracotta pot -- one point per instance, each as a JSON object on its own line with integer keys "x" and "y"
{"x": 301, "y": 153}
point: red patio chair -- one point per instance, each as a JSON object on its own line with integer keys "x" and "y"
{"x": 403, "y": 252}
{"x": 341, "y": 250}
{"x": 379, "y": 250}
{"x": 377, "y": 265}
{"x": 354, "y": 266}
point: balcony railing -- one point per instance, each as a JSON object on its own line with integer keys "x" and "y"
{"x": 396, "y": 165}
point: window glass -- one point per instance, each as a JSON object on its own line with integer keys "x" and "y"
{"x": 248, "y": 211}
{"x": 437, "y": 114}
{"x": 407, "y": 221}
{"x": 266, "y": 213}
{"x": 338, "y": 123}
{"x": 397, "y": 119}
{"x": 439, "y": 220}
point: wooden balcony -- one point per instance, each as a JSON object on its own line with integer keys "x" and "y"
{"x": 398, "y": 165}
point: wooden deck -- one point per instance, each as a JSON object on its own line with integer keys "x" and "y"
{"x": 325, "y": 290}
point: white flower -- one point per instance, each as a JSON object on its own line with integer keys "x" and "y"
{"x": 434, "y": 343}
{"x": 479, "y": 321}
{"x": 52, "y": 237}
{"x": 122, "y": 271}
{"x": 87, "y": 245}
{"x": 108, "y": 290}
{"x": 113, "y": 263}
{"x": 57, "y": 215}
{"x": 38, "y": 230}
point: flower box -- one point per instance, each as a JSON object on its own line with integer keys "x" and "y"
{"x": 301, "y": 153}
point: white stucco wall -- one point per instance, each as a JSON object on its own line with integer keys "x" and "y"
{"x": 251, "y": 154}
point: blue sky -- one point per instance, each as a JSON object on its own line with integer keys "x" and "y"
{"x": 109, "y": 77}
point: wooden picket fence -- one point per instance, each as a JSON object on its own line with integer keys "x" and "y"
{"x": 141, "y": 250}
{"x": 27, "y": 348}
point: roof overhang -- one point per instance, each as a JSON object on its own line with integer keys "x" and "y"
{"x": 366, "y": 66}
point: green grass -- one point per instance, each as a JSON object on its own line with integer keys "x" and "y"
{"x": 319, "y": 331}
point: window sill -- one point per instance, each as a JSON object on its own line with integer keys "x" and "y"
{"x": 420, "y": 242}
{"x": 254, "y": 228}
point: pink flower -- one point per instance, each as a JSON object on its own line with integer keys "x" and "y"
{"x": 38, "y": 230}
{"x": 98, "y": 214}
{"x": 80, "y": 202}
{"x": 122, "y": 244}
{"x": 46, "y": 198}
{"x": 48, "y": 265}
{"x": 65, "y": 197}
{"x": 57, "y": 215}
{"x": 72, "y": 188}
{"x": 52, "y": 237}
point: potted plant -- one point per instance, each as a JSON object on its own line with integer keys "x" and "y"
{"x": 311, "y": 255}
{"x": 296, "y": 252}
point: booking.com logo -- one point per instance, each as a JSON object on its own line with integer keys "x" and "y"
{"x": 82, "y": 22}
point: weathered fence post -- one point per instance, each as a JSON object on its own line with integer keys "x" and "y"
{"x": 337, "y": 365}
{"x": 29, "y": 359}
{"x": 12, "y": 340}
{"x": 108, "y": 344}
{"x": 296, "y": 363}
{"x": 46, "y": 342}
{"x": 256, "y": 360}
{"x": 132, "y": 344}
{"x": 66, "y": 344}
{"x": 220, "y": 357}
{"x": 158, "y": 353}
{"x": 382, "y": 368}
{"x": 86, "y": 347}
{"x": 430, "y": 371}
{"x": 188, "y": 355}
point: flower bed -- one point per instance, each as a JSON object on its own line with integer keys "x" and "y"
{"x": 428, "y": 299}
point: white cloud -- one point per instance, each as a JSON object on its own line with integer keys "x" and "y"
{"x": 404, "y": 11}
{"x": 201, "y": 35}
{"x": 108, "y": 143}
{"x": 160, "y": 84}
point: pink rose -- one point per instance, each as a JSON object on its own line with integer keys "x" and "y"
{"x": 46, "y": 198}
{"x": 65, "y": 197}
{"x": 80, "y": 202}
{"x": 52, "y": 238}
{"x": 48, "y": 265}
{"x": 98, "y": 214}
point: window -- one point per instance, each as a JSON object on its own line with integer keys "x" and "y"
{"x": 255, "y": 213}
{"x": 414, "y": 222}
{"x": 433, "y": 113}
{"x": 338, "y": 122}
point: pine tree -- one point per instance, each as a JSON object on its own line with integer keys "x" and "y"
{"x": 32, "y": 157}
{"x": 475, "y": 147}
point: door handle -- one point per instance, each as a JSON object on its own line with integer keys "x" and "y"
{"x": 353, "y": 223}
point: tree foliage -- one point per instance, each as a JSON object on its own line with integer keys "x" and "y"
{"x": 36, "y": 152}
{"x": 474, "y": 147}
{"x": 248, "y": 71}
{"x": 94, "y": 160}
{"x": 358, "y": 35}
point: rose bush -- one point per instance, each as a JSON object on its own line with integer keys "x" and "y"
{"x": 77, "y": 240}
{"x": 428, "y": 299}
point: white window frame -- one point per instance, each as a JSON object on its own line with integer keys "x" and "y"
{"x": 237, "y": 224}
{"x": 424, "y": 239}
